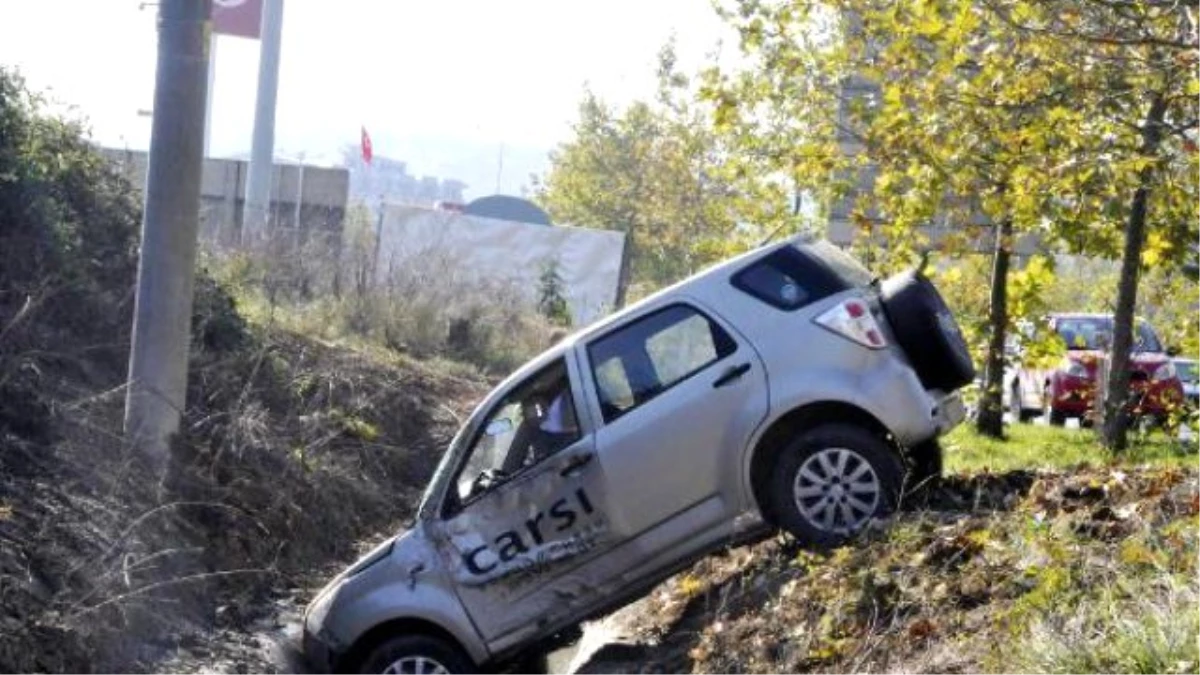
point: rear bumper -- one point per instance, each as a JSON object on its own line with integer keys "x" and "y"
{"x": 949, "y": 412}
{"x": 913, "y": 414}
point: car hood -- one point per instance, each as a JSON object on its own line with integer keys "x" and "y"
{"x": 1139, "y": 362}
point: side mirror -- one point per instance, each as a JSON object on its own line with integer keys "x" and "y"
{"x": 1172, "y": 351}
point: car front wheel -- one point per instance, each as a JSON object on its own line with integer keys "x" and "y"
{"x": 417, "y": 655}
{"x": 1016, "y": 405}
{"x": 831, "y": 481}
{"x": 1055, "y": 418}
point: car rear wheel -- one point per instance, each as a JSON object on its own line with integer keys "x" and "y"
{"x": 417, "y": 655}
{"x": 1016, "y": 406}
{"x": 928, "y": 332}
{"x": 831, "y": 481}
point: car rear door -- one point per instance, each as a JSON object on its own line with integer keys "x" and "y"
{"x": 677, "y": 394}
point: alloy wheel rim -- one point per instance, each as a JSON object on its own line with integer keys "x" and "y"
{"x": 416, "y": 665}
{"x": 837, "y": 490}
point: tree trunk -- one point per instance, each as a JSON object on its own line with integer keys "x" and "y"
{"x": 1116, "y": 410}
{"x": 990, "y": 421}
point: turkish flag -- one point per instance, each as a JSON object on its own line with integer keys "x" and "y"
{"x": 367, "y": 152}
{"x": 242, "y": 18}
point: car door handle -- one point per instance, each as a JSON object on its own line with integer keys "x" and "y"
{"x": 577, "y": 462}
{"x": 732, "y": 374}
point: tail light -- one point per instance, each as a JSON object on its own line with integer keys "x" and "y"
{"x": 852, "y": 319}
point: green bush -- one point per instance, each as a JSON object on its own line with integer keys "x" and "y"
{"x": 68, "y": 222}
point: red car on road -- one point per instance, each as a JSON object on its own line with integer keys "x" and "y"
{"x": 1070, "y": 389}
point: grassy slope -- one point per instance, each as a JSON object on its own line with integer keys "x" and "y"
{"x": 1044, "y": 447}
{"x": 1056, "y": 560}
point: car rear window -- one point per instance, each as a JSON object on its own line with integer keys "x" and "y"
{"x": 791, "y": 277}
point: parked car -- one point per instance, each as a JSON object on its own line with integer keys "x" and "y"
{"x": 785, "y": 388}
{"x": 1189, "y": 375}
{"x": 1069, "y": 390}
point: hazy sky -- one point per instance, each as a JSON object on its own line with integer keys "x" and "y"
{"x": 420, "y": 75}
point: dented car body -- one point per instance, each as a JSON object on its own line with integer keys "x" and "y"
{"x": 785, "y": 388}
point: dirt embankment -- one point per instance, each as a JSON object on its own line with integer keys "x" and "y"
{"x": 292, "y": 452}
{"x": 1082, "y": 571}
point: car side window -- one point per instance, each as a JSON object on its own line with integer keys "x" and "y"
{"x": 534, "y": 421}
{"x": 649, "y": 356}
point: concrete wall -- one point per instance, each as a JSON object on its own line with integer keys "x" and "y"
{"x": 320, "y": 192}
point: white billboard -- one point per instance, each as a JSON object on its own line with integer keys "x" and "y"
{"x": 588, "y": 262}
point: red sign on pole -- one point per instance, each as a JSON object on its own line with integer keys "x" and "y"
{"x": 242, "y": 18}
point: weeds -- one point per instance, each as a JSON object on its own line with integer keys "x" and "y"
{"x": 423, "y": 305}
{"x": 1154, "y": 632}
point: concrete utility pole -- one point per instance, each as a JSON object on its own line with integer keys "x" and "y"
{"x": 258, "y": 180}
{"x": 166, "y": 267}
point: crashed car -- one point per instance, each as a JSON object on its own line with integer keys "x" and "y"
{"x": 783, "y": 389}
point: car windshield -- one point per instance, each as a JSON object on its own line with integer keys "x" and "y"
{"x": 1188, "y": 371}
{"x": 1095, "y": 333}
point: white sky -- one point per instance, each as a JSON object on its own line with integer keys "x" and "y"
{"x": 446, "y": 72}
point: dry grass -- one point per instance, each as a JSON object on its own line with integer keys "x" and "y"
{"x": 424, "y": 305}
{"x": 291, "y": 451}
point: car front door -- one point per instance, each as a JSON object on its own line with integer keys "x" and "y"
{"x": 678, "y": 394}
{"x": 527, "y": 510}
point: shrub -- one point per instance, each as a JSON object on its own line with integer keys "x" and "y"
{"x": 68, "y": 222}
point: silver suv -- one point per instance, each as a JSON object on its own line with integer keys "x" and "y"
{"x": 786, "y": 388}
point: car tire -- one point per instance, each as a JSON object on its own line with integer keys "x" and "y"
{"x": 1055, "y": 418}
{"x": 1015, "y": 406}
{"x": 925, "y": 466}
{"x": 927, "y": 331}
{"x": 417, "y": 653}
{"x": 809, "y": 491}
